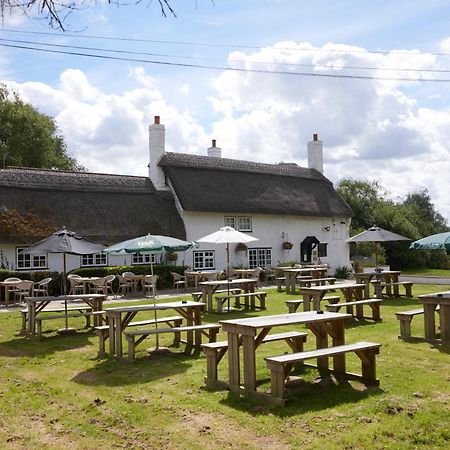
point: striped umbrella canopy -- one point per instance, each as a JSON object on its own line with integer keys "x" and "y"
{"x": 440, "y": 241}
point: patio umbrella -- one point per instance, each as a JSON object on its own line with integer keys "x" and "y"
{"x": 64, "y": 242}
{"x": 150, "y": 244}
{"x": 227, "y": 235}
{"x": 440, "y": 241}
{"x": 375, "y": 235}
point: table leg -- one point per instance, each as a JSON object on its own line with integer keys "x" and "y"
{"x": 444, "y": 320}
{"x": 338, "y": 338}
{"x": 293, "y": 279}
{"x": 429, "y": 321}
{"x": 307, "y": 302}
{"x": 197, "y": 310}
{"x": 31, "y": 326}
{"x": 316, "y": 301}
{"x": 248, "y": 347}
{"x": 189, "y": 323}
{"x": 321, "y": 342}
{"x": 234, "y": 376}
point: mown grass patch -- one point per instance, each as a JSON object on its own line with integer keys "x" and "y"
{"x": 56, "y": 393}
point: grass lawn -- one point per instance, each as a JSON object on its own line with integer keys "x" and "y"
{"x": 427, "y": 272}
{"x": 55, "y": 393}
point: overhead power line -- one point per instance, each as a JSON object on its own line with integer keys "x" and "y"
{"x": 230, "y": 46}
{"x": 222, "y": 68}
{"x": 269, "y": 63}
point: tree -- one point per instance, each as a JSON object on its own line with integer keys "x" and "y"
{"x": 55, "y": 12}
{"x": 29, "y": 138}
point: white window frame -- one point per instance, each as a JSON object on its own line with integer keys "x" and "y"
{"x": 320, "y": 246}
{"x": 199, "y": 257}
{"x": 259, "y": 257}
{"x": 248, "y": 227}
{"x": 94, "y": 260}
{"x": 142, "y": 258}
{"x": 230, "y": 221}
{"x": 26, "y": 262}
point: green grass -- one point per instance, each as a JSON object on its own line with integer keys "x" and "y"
{"x": 427, "y": 272}
{"x": 56, "y": 393}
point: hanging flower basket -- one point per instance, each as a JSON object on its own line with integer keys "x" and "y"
{"x": 287, "y": 245}
{"x": 172, "y": 256}
{"x": 241, "y": 247}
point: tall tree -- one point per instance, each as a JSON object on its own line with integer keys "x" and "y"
{"x": 29, "y": 138}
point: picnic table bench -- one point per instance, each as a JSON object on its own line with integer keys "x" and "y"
{"x": 215, "y": 352}
{"x": 135, "y": 337}
{"x": 309, "y": 281}
{"x": 280, "y": 366}
{"x": 172, "y": 321}
{"x": 373, "y": 303}
{"x": 392, "y": 289}
{"x": 197, "y": 296}
{"x": 249, "y": 300}
{"x": 294, "y": 304}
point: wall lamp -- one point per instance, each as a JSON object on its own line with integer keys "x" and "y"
{"x": 326, "y": 228}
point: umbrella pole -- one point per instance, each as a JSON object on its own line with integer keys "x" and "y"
{"x": 154, "y": 304}
{"x": 376, "y": 255}
{"x": 64, "y": 289}
{"x": 228, "y": 274}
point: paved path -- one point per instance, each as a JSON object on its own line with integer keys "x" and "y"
{"x": 425, "y": 280}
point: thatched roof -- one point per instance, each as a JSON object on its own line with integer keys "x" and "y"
{"x": 105, "y": 208}
{"x": 204, "y": 183}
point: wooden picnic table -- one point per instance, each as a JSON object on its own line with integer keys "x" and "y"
{"x": 120, "y": 317}
{"x": 291, "y": 275}
{"x": 314, "y": 294}
{"x": 36, "y": 305}
{"x": 199, "y": 275}
{"x": 430, "y": 303}
{"x": 251, "y": 332}
{"x": 248, "y": 285}
{"x": 243, "y": 273}
{"x": 385, "y": 276}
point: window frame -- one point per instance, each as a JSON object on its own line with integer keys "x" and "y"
{"x": 32, "y": 259}
{"x": 244, "y": 229}
{"x": 258, "y": 251}
{"x": 231, "y": 218}
{"x": 195, "y": 265}
{"x": 320, "y": 247}
{"x": 135, "y": 256}
{"x": 95, "y": 257}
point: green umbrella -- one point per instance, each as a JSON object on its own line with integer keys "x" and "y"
{"x": 440, "y": 241}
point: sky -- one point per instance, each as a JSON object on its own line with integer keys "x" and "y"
{"x": 339, "y": 68}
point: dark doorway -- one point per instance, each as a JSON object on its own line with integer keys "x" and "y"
{"x": 307, "y": 247}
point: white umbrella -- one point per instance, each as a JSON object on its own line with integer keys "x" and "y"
{"x": 227, "y": 235}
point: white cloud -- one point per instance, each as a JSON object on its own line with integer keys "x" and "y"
{"x": 372, "y": 129}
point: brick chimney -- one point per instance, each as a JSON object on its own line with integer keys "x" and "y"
{"x": 315, "y": 154}
{"x": 156, "y": 143}
{"x": 215, "y": 152}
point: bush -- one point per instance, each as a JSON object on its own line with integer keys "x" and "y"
{"x": 343, "y": 272}
{"x": 54, "y": 287}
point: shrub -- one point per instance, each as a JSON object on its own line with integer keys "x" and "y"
{"x": 287, "y": 245}
{"x": 343, "y": 272}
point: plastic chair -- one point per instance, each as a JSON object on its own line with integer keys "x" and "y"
{"x": 22, "y": 290}
{"x": 149, "y": 283}
{"x": 178, "y": 280}
{"x": 99, "y": 286}
{"x": 10, "y": 289}
{"x": 133, "y": 281}
{"x": 125, "y": 285}
{"x": 75, "y": 287}
{"x": 109, "y": 283}
{"x": 41, "y": 287}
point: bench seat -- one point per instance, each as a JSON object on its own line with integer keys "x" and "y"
{"x": 135, "y": 337}
{"x": 196, "y": 296}
{"x": 280, "y": 366}
{"x": 405, "y": 318}
{"x": 259, "y": 295}
{"x": 215, "y": 351}
{"x": 317, "y": 281}
{"x": 103, "y": 330}
{"x": 294, "y": 304}
{"x": 280, "y": 281}
{"x": 373, "y": 303}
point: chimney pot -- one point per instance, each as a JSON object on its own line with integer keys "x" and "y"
{"x": 156, "y": 120}
{"x": 315, "y": 137}
{"x": 213, "y": 143}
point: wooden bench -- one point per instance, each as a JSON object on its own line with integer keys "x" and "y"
{"x": 103, "y": 331}
{"x": 374, "y": 304}
{"x": 196, "y": 296}
{"x": 87, "y": 315}
{"x": 215, "y": 352}
{"x": 379, "y": 287}
{"x": 249, "y": 300}
{"x": 280, "y": 366}
{"x": 135, "y": 337}
{"x": 294, "y": 304}
{"x": 24, "y": 313}
{"x": 317, "y": 281}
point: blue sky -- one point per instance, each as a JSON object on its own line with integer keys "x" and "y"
{"x": 391, "y": 131}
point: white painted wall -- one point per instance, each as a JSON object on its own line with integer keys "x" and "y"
{"x": 268, "y": 229}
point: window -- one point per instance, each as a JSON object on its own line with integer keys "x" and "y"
{"x": 30, "y": 261}
{"x": 323, "y": 249}
{"x": 259, "y": 257}
{"x": 244, "y": 223}
{"x": 97, "y": 259}
{"x": 204, "y": 260}
{"x": 138, "y": 258}
{"x": 230, "y": 221}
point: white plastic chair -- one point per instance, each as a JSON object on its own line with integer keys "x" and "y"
{"x": 149, "y": 284}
